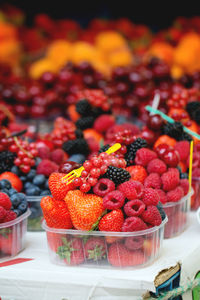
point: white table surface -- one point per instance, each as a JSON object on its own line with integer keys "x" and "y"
{"x": 40, "y": 280}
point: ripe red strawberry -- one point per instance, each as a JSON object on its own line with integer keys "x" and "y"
{"x": 56, "y": 213}
{"x": 95, "y": 248}
{"x": 71, "y": 251}
{"x": 14, "y": 180}
{"x": 120, "y": 256}
{"x": 84, "y": 209}
{"x": 138, "y": 173}
{"x": 5, "y": 201}
{"x": 112, "y": 221}
{"x": 58, "y": 187}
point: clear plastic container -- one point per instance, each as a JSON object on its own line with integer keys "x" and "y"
{"x": 198, "y": 215}
{"x": 35, "y": 219}
{"x": 177, "y": 213}
{"x": 195, "y": 199}
{"x": 104, "y": 249}
{"x": 12, "y": 236}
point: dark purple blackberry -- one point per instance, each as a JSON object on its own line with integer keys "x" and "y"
{"x": 133, "y": 148}
{"x": 104, "y": 148}
{"x": 176, "y": 131}
{"x": 85, "y": 122}
{"x": 83, "y": 107}
{"x": 6, "y": 161}
{"x": 117, "y": 175}
{"x": 76, "y": 146}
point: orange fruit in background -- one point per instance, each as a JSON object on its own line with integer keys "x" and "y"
{"x": 165, "y": 139}
{"x": 41, "y": 66}
{"x": 88, "y": 133}
{"x": 107, "y": 41}
{"x": 162, "y": 50}
{"x": 74, "y": 116}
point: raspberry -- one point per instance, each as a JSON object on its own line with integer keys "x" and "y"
{"x": 175, "y": 195}
{"x": 57, "y": 156}
{"x": 162, "y": 196}
{"x": 185, "y": 186}
{"x": 138, "y": 173}
{"x": 2, "y": 214}
{"x": 196, "y": 173}
{"x": 153, "y": 181}
{"x": 138, "y": 186}
{"x": 183, "y": 148}
{"x": 44, "y": 152}
{"x": 150, "y": 197}
{"x": 10, "y": 215}
{"x": 46, "y": 167}
{"x": 170, "y": 180}
{"x": 128, "y": 189}
{"x": 152, "y": 216}
{"x": 144, "y": 156}
{"x": 156, "y": 166}
{"x": 92, "y": 144}
{"x": 134, "y": 208}
{"x": 113, "y": 200}
{"x": 134, "y": 242}
{"x": 133, "y": 224}
{"x": 5, "y": 201}
{"x": 103, "y": 187}
{"x": 103, "y": 122}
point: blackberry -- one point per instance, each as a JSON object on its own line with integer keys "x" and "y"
{"x": 176, "y": 131}
{"x": 104, "y": 148}
{"x": 117, "y": 175}
{"x": 161, "y": 210}
{"x": 79, "y": 134}
{"x": 76, "y": 146}
{"x": 85, "y": 122}
{"x": 6, "y": 161}
{"x": 183, "y": 176}
{"x": 83, "y": 107}
{"x": 133, "y": 148}
{"x": 191, "y": 107}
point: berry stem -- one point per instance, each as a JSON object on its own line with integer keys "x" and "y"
{"x": 21, "y": 148}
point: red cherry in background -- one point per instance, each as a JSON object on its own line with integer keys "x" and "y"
{"x": 68, "y": 167}
{"x": 162, "y": 149}
{"x": 155, "y": 122}
{"x": 148, "y": 135}
{"x": 171, "y": 158}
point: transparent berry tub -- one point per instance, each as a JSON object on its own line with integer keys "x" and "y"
{"x": 12, "y": 236}
{"x": 104, "y": 249}
{"x": 36, "y": 216}
{"x": 177, "y": 213}
{"x": 195, "y": 199}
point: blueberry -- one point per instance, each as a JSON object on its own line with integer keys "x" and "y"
{"x": 45, "y": 193}
{"x": 6, "y": 191}
{"x": 28, "y": 185}
{"x": 46, "y": 185}
{"x": 31, "y": 174}
{"x": 37, "y": 161}
{"x": 23, "y": 206}
{"x": 12, "y": 192}
{"x": 78, "y": 158}
{"x": 18, "y": 212}
{"x": 39, "y": 180}
{"x": 23, "y": 178}
{"x": 15, "y": 170}
{"x": 33, "y": 191}
{"x": 5, "y": 184}
{"x": 22, "y": 196}
{"x": 15, "y": 200}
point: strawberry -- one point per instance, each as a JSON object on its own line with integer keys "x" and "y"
{"x": 14, "y": 180}
{"x": 57, "y": 187}
{"x": 56, "y": 213}
{"x": 54, "y": 240}
{"x": 71, "y": 251}
{"x": 95, "y": 248}
{"x": 138, "y": 173}
{"x": 112, "y": 221}
{"x": 84, "y": 209}
{"x": 120, "y": 256}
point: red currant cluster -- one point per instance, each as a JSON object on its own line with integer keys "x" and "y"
{"x": 96, "y": 167}
{"x": 63, "y": 131}
{"x": 180, "y": 98}
{"x": 96, "y": 98}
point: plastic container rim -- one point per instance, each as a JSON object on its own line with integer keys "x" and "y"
{"x": 17, "y": 220}
{"x": 106, "y": 233}
{"x": 171, "y": 204}
{"x": 34, "y": 198}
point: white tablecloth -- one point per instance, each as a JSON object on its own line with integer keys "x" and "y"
{"x": 40, "y": 280}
